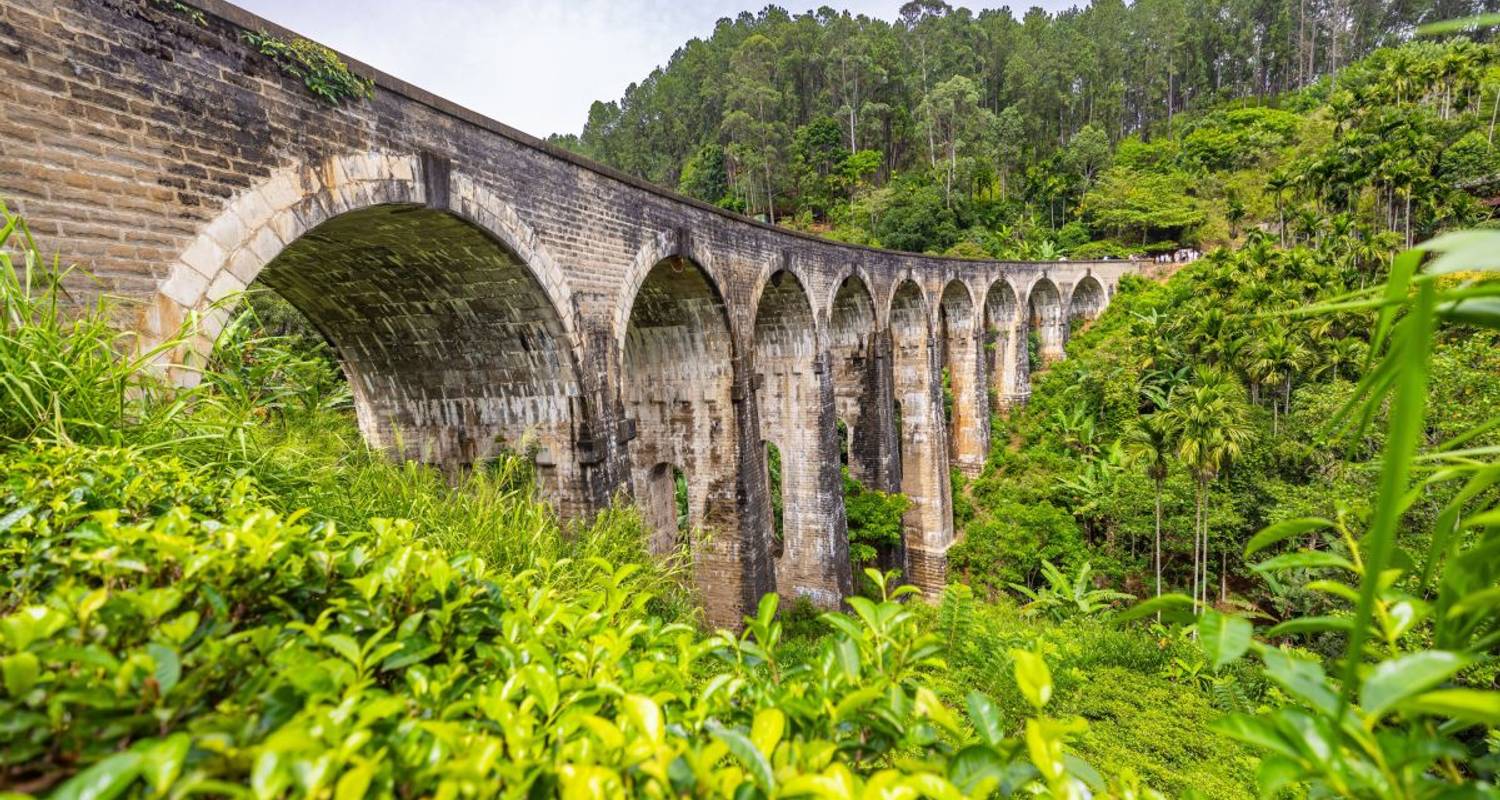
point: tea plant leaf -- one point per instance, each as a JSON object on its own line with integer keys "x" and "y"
{"x": 1397, "y": 679}
{"x": 1473, "y": 706}
{"x": 1225, "y": 637}
{"x": 1284, "y": 530}
{"x": 746, "y": 753}
{"x": 1033, "y": 677}
{"x": 986, "y": 718}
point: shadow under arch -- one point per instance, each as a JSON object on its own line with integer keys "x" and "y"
{"x": 1087, "y": 301}
{"x": 812, "y": 556}
{"x": 1005, "y": 346}
{"x": 1045, "y": 315}
{"x": 453, "y": 351}
{"x": 853, "y": 344}
{"x": 677, "y": 389}
{"x": 961, "y": 361}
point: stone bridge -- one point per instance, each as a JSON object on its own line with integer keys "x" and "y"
{"x": 486, "y": 291}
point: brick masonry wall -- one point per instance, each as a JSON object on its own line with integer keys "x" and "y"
{"x": 177, "y": 166}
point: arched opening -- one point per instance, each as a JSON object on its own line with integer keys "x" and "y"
{"x": 964, "y": 402}
{"x": 677, "y": 388}
{"x": 1045, "y": 311}
{"x": 1087, "y": 302}
{"x": 453, "y": 351}
{"x": 776, "y": 486}
{"x": 856, "y": 380}
{"x": 921, "y": 447}
{"x": 666, "y": 509}
{"x": 792, "y": 420}
{"x": 841, "y": 432}
{"x": 1004, "y": 346}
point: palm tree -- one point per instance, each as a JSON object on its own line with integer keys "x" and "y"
{"x": 1277, "y": 185}
{"x": 1278, "y": 356}
{"x": 1211, "y": 429}
{"x": 1149, "y": 442}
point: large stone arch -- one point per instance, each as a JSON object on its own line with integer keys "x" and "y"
{"x": 1045, "y": 317}
{"x": 1005, "y": 345}
{"x": 1087, "y": 301}
{"x": 960, "y": 338}
{"x": 678, "y": 393}
{"x": 796, "y": 416}
{"x": 454, "y": 325}
{"x": 922, "y": 443}
{"x": 860, "y": 385}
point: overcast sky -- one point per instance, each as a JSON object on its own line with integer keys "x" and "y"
{"x": 532, "y": 64}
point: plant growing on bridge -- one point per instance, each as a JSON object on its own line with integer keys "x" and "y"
{"x": 319, "y": 68}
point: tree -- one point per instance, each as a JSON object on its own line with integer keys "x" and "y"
{"x": 752, "y": 125}
{"x": 1210, "y": 426}
{"x": 1149, "y": 443}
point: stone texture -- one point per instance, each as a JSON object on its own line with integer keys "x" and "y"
{"x": 489, "y": 292}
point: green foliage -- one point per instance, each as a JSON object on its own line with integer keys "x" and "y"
{"x": 182, "y": 10}
{"x": 1062, "y": 597}
{"x": 1403, "y": 714}
{"x": 319, "y": 68}
{"x": 1008, "y": 542}
{"x": 874, "y": 521}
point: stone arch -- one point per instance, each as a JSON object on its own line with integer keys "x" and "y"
{"x": 1005, "y": 345}
{"x": 789, "y": 390}
{"x": 454, "y": 326}
{"x": 253, "y": 227}
{"x": 961, "y": 361}
{"x": 1087, "y": 301}
{"x": 927, "y": 524}
{"x": 1045, "y": 318}
{"x": 678, "y": 393}
{"x": 857, "y": 379}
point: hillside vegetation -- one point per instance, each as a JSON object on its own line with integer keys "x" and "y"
{"x": 1110, "y": 131}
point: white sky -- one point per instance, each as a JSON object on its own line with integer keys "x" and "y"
{"x": 534, "y": 64}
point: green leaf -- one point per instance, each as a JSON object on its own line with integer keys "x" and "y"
{"x": 1304, "y": 559}
{"x": 1302, "y": 625}
{"x": 161, "y": 761}
{"x": 766, "y": 730}
{"x": 746, "y": 753}
{"x": 1464, "y": 251}
{"x": 1397, "y": 679}
{"x": 1177, "y": 607}
{"x": 986, "y": 718}
{"x": 168, "y": 669}
{"x": 645, "y": 715}
{"x": 1254, "y": 732}
{"x": 1467, "y": 705}
{"x": 1406, "y": 427}
{"x": 1033, "y": 677}
{"x": 1302, "y": 678}
{"x": 355, "y": 783}
{"x": 1224, "y": 637}
{"x": 21, "y": 672}
{"x": 1284, "y": 530}
{"x": 976, "y": 770}
{"x": 104, "y": 780}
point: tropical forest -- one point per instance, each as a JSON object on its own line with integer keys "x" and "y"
{"x": 1242, "y": 541}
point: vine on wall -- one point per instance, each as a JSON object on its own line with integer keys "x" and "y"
{"x": 321, "y": 70}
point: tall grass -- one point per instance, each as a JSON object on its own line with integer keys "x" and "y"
{"x": 273, "y": 409}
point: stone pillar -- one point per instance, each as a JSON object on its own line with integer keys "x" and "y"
{"x": 965, "y": 363}
{"x": 923, "y": 441}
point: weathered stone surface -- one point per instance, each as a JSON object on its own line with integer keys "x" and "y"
{"x": 486, "y": 291}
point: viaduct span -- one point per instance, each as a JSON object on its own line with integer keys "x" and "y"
{"x": 487, "y": 291}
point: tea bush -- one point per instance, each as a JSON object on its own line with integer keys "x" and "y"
{"x": 218, "y": 591}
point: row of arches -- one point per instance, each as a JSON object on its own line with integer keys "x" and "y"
{"x": 458, "y": 340}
